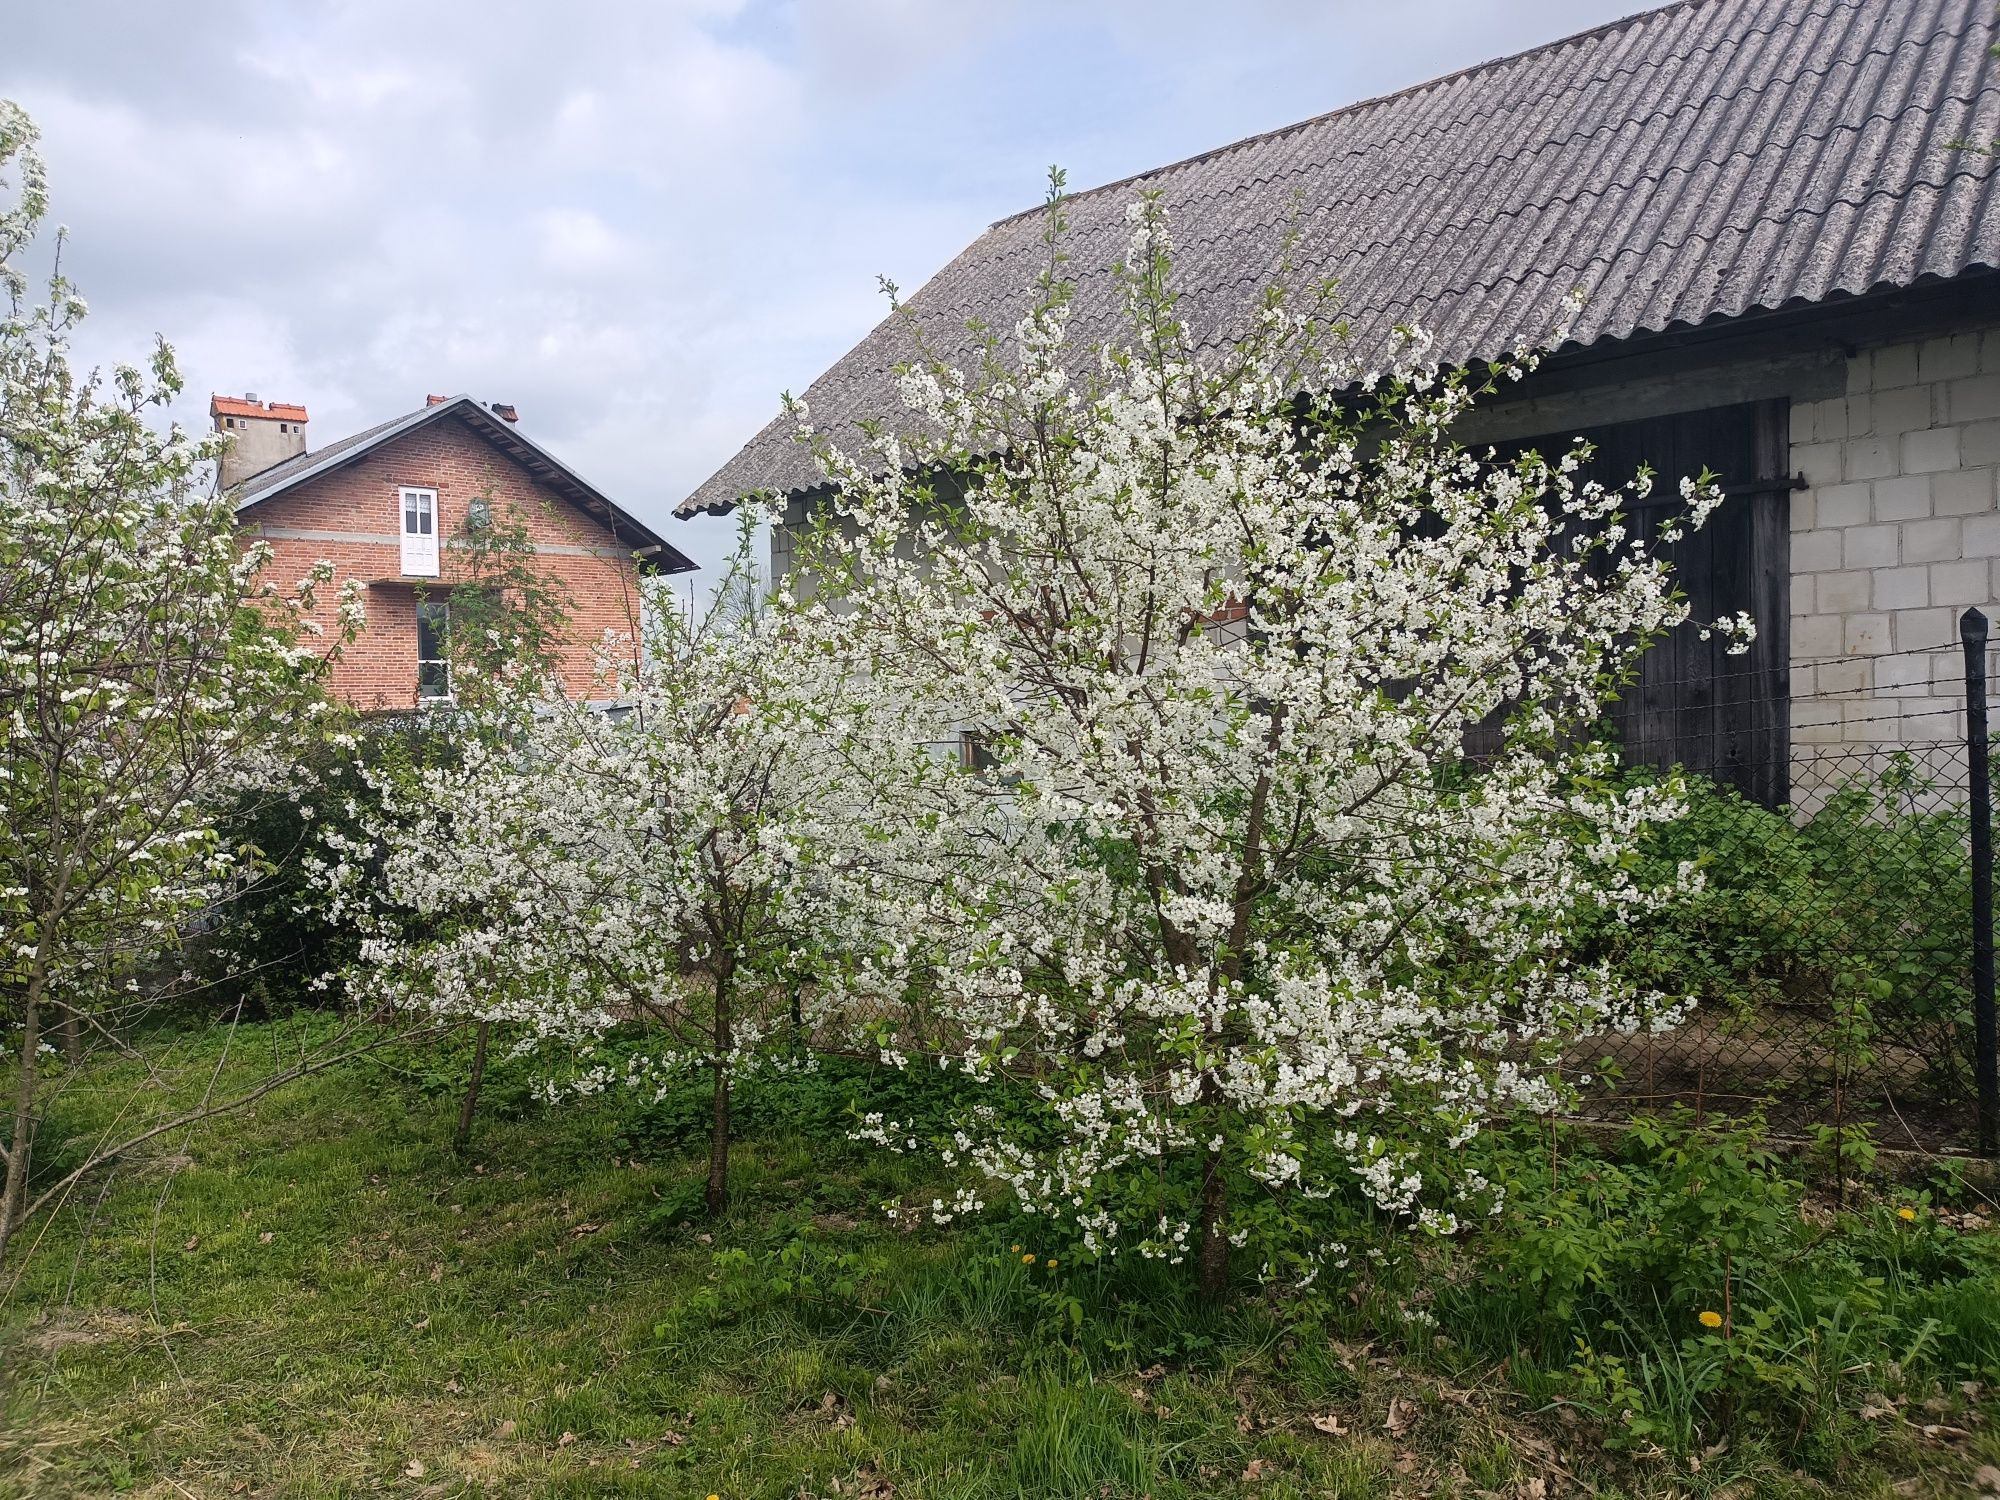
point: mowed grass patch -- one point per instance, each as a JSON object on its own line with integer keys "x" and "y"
{"x": 318, "y": 1297}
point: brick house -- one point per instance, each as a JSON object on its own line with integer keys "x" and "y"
{"x": 383, "y": 506}
{"x": 1790, "y": 256}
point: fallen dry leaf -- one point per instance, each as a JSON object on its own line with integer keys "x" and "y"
{"x": 506, "y": 1429}
{"x": 1406, "y": 1462}
{"x": 565, "y": 1440}
{"x": 1942, "y": 1432}
{"x": 437, "y": 1271}
{"x": 1330, "y": 1425}
{"x": 192, "y": 1241}
{"x": 452, "y": 1387}
{"x": 264, "y": 1238}
{"x": 1986, "y": 1479}
{"x": 414, "y": 1469}
{"x": 1532, "y": 1489}
{"x": 1255, "y": 1470}
{"x": 1401, "y": 1415}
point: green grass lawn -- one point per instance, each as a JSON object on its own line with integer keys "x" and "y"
{"x": 318, "y": 1297}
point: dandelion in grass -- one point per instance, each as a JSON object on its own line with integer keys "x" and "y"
{"x": 1907, "y": 1215}
{"x": 1709, "y": 1319}
{"x": 1028, "y": 1259}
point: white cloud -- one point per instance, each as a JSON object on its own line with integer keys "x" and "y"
{"x": 637, "y": 220}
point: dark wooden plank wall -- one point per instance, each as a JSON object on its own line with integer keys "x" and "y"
{"x": 1694, "y": 704}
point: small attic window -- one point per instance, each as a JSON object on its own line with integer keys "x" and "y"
{"x": 478, "y": 513}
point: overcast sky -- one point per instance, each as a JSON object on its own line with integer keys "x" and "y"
{"x": 637, "y": 220}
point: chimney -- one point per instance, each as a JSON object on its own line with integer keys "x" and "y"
{"x": 436, "y": 400}
{"x": 505, "y": 412}
{"x": 262, "y": 435}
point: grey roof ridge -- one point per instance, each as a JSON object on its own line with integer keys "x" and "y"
{"x": 1356, "y": 106}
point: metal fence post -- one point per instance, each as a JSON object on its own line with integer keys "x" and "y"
{"x": 1986, "y": 1044}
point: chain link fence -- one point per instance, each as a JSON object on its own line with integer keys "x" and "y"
{"x": 1839, "y": 983}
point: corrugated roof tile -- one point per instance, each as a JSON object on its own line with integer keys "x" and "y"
{"x": 1706, "y": 159}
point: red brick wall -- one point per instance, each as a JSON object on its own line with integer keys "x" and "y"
{"x": 379, "y": 670}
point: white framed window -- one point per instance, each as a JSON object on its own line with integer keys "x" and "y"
{"x": 420, "y": 540}
{"x": 433, "y": 650}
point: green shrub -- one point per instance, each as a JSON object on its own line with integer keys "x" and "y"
{"x": 1676, "y": 1287}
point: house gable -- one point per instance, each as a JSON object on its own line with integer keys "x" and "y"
{"x": 349, "y": 513}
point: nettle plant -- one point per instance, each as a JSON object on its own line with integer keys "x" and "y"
{"x": 1253, "y": 935}
{"x": 686, "y": 858}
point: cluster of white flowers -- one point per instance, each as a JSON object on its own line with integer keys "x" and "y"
{"x": 1284, "y": 813}
{"x": 1265, "y": 878}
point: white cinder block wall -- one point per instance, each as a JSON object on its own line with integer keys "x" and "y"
{"x": 1899, "y": 532}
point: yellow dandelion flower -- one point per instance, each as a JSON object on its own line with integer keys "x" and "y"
{"x": 1907, "y": 1215}
{"x": 1028, "y": 1259}
{"x": 1710, "y": 1319}
{"x": 1015, "y": 1248}
{"x": 1052, "y": 1262}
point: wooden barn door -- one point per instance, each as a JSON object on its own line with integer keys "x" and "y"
{"x": 1694, "y": 704}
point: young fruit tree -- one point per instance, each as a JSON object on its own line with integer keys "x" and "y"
{"x": 1243, "y": 930}
{"x": 678, "y": 861}
{"x": 146, "y": 674}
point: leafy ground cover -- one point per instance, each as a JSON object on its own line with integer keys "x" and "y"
{"x": 318, "y": 1297}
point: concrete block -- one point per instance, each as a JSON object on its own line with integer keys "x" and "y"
{"x": 1904, "y": 498}
{"x": 1870, "y": 547}
{"x": 1842, "y": 504}
{"x": 1814, "y": 635}
{"x": 1895, "y": 672}
{"x": 1818, "y": 551}
{"x": 1893, "y": 365}
{"x": 1981, "y": 536}
{"x": 1962, "y": 492}
{"x": 1973, "y": 400}
{"x": 1843, "y": 676}
{"x": 1989, "y": 351}
{"x": 1925, "y": 542}
{"x": 1981, "y": 443}
{"x": 1948, "y": 358}
{"x": 1866, "y": 635}
{"x": 1819, "y": 462}
{"x": 1930, "y": 451}
{"x": 1906, "y": 409}
{"x": 1861, "y": 373}
{"x": 1858, "y": 418}
{"x": 1842, "y": 593}
{"x": 1804, "y": 510}
{"x": 1961, "y": 583}
{"x": 1868, "y": 458}
{"x": 1803, "y": 416}
{"x": 1902, "y": 588}
{"x": 1922, "y": 629}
